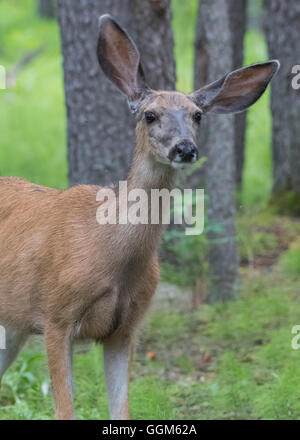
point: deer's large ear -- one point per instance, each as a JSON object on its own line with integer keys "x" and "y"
{"x": 120, "y": 59}
{"x": 237, "y": 90}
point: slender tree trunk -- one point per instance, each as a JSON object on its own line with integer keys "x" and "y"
{"x": 237, "y": 20}
{"x": 201, "y": 78}
{"x": 282, "y": 24}
{"x": 153, "y": 34}
{"x": 100, "y": 126}
{"x": 214, "y": 57}
{"x": 47, "y": 8}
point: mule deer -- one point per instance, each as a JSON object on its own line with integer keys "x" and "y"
{"x": 64, "y": 275}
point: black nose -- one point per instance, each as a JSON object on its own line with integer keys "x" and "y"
{"x": 186, "y": 151}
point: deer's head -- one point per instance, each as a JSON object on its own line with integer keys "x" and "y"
{"x": 171, "y": 119}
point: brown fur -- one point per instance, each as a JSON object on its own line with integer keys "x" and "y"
{"x": 60, "y": 266}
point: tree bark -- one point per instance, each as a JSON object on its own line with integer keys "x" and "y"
{"x": 47, "y": 8}
{"x": 237, "y": 20}
{"x": 237, "y": 23}
{"x": 201, "y": 78}
{"x": 281, "y": 22}
{"x": 214, "y": 57}
{"x": 100, "y": 126}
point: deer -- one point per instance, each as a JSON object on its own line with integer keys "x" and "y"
{"x": 67, "y": 277}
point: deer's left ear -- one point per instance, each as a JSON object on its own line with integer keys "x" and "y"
{"x": 237, "y": 90}
{"x": 119, "y": 58}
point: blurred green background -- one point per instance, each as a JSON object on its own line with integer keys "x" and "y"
{"x": 221, "y": 361}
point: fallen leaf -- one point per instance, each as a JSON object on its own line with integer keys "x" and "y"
{"x": 151, "y": 355}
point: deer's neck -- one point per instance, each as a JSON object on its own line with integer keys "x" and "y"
{"x": 147, "y": 174}
{"x": 141, "y": 240}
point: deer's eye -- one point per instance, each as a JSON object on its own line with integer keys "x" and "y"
{"x": 197, "y": 117}
{"x": 150, "y": 117}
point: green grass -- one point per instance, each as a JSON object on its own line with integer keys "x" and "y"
{"x": 290, "y": 262}
{"x": 252, "y": 372}
{"x": 25, "y": 392}
{"x": 231, "y": 361}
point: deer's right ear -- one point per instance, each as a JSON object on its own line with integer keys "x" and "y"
{"x": 120, "y": 59}
{"x": 237, "y": 90}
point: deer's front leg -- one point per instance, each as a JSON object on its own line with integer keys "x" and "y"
{"x": 117, "y": 359}
{"x": 59, "y": 353}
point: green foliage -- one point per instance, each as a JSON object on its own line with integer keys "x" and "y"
{"x": 286, "y": 203}
{"x": 32, "y": 115}
{"x": 187, "y": 253}
{"x": 290, "y": 263}
{"x": 257, "y": 177}
{"x": 24, "y": 392}
{"x": 184, "y": 25}
{"x": 262, "y": 243}
{"x": 256, "y": 236}
{"x": 265, "y": 235}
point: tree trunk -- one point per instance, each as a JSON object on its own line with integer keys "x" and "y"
{"x": 237, "y": 22}
{"x": 237, "y": 14}
{"x": 214, "y": 57}
{"x": 100, "y": 126}
{"x": 201, "y": 78}
{"x": 47, "y": 8}
{"x": 282, "y": 21}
